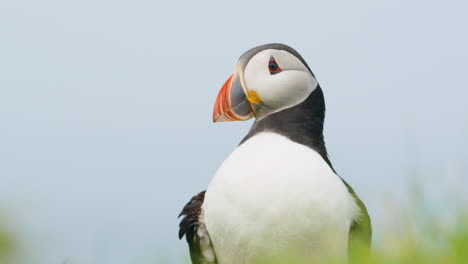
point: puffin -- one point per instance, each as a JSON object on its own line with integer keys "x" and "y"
{"x": 276, "y": 198}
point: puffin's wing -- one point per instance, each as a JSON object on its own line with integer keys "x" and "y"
{"x": 360, "y": 232}
{"x": 194, "y": 229}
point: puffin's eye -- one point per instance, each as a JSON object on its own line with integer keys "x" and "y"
{"x": 273, "y": 66}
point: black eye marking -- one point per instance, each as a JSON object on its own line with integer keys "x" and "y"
{"x": 273, "y": 66}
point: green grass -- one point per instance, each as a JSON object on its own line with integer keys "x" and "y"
{"x": 431, "y": 244}
{"x": 7, "y": 245}
{"x": 415, "y": 236}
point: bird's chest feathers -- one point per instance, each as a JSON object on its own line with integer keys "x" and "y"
{"x": 271, "y": 191}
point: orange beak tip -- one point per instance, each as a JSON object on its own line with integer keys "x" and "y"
{"x": 230, "y": 92}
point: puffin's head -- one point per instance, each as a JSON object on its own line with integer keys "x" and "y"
{"x": 266, "y": 79}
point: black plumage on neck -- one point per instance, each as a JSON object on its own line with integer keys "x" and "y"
{"x": 302, "y": 123}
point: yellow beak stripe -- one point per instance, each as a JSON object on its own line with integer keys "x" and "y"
{"x": 253, "y": 97}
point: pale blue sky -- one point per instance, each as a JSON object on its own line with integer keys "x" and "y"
{"x": 105, "y": 109}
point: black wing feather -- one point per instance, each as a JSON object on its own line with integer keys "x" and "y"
{"x": 189, "y": 226}
{"x": 191, "y": 212}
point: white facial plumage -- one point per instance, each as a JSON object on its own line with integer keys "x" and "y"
{"x": 287, "y": 88}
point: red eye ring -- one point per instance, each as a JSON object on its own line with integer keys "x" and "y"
{"x": 273, "y": 66}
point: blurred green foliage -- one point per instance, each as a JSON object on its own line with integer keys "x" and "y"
{"x": 432, "y": 245}
{"x": 7, "y": 245}
{"x": 435, "y": 245}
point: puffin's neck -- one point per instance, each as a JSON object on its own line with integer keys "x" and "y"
{"x": 302, "y": 123}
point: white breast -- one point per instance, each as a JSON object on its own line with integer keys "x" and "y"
{"x": 272, "y": 196}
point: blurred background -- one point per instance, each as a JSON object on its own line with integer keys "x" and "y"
{"x": 105, "y": 113}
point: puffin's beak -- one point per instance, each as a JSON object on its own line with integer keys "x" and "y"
{"x": 231, "y": 103}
